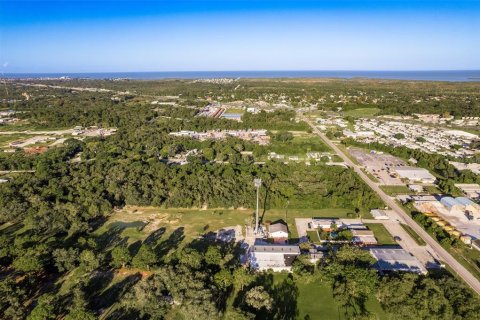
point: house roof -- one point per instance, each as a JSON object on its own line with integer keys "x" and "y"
{"x": 279, "y": 226}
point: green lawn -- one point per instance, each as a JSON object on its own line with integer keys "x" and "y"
{"x": 381, "y": 234}
{"x": 396, "y": 190}
{"x": 315, "y": 300}
{"x": 313, "y": 237}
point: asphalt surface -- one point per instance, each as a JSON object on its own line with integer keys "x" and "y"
{"x": 446, "y": 257}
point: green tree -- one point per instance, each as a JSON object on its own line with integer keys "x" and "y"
{"x": 44, "y": 309}
{"x": 213, "y": 255}
{"x": 258, "y": 298}
{"x": 65, "y": 259}
{"x": 120, "y": 256}
{"x": 223, "y": 279}
{"x": 145, "y": 257}
{"x": 88, "y": 260}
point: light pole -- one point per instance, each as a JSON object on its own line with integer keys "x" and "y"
{"x": 257, "y": 182}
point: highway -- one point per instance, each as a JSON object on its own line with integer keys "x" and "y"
{"x": 444, "y": 255}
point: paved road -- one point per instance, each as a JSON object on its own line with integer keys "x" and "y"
{"x": 438, "y": 249}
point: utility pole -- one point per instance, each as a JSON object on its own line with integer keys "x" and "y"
{"x": 257, "y": 182}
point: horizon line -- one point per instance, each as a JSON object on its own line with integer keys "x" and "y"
{"x": 253, "y": 70}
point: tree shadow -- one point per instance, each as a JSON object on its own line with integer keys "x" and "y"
{"x": 134, "y": 247}
{"x": 154, "y": 236}
{"x": 285, "y": 295}
{"x": 12, "y": 228}
{"x": 124, "y": 314}
{"x": 108, "y": 297}
{"x": 171, "y": 243}
{"x": 109, "y": 238}
{"x": 98, "y": 281}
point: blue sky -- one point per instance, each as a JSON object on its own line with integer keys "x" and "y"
{"x": 106, "y": 36}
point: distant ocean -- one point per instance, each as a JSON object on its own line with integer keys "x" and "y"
{"x": 447, "y": 75}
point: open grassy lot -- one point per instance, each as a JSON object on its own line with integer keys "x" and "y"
{"x": 315, "y": 301}
{"x": 362, "y": 112}
{"x": 381, "y": 233}
{"x": 235, "y": 110}
{"x": 5, "y": 139}
{"x": 137, "y": 223}
{"x": 396, "y": 190}
{"x": 299, "y": 145}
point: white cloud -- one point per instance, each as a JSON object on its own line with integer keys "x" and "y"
{"x": 5, "y": 64}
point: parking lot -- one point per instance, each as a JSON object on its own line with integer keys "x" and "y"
{"x": 379, "y": 165}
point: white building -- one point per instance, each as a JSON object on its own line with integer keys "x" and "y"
{"x": 415, "y": 188}
{"x": 274, "y": 257}
{"x": 471, "y": 190}
{"x": 414, "y": 174}
{"x": 379, "y": 214}
{"x": 278, "y": 231}
{"x": 471, "y": 208}
{"x": 363, "y": 237}
{"x": 393, "y": 259}
{"x": 325, "y": 224}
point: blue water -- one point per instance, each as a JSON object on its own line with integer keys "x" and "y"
{"x": 447, "y": 75}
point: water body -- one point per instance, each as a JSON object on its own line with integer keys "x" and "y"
{"x": 447, "y": 75}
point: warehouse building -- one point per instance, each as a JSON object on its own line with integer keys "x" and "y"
{"x": 396, "y": 259}
{"x": 274, "y": 257}
{"x": 470, "y": 190}
{"x": 414, "y": 174}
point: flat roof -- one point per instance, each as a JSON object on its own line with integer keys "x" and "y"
{"x": 414, "y": 172}
{"x": 396, "y": 259}
{"x": 292, "y": 249}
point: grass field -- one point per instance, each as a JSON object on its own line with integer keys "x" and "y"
{"x": 313, "y": 237}
{"x": 395, "y": 190}
{"x": 315, "y": 301}
{"x": 381, "y": 234}
{"x": 362, "y": 112}
{"x": 235, "y": 110}
{"x": 5, "y": 139}
{"x": 137, "y": 223}
{"x": 299, "y": 145}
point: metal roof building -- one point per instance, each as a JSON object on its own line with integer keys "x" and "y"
{"x": 396, "y": 259}
{"x": 275, "y": 257}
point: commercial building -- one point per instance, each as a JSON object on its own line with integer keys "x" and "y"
{"x": 471, "y": 208}
{"x": 363, "y": 237}
{"x": 272, "y": 256}
{"x": 461, "y": 205}
{"x": 396, "y": 259}
{"x": 471, "y": 190}
{"x": 414, "y": 174}
{"x": 416, "y": 188}
{"x": 452, "y": 205}
{"x": 379, "y": 214}
{"x": 325, "y": 224}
